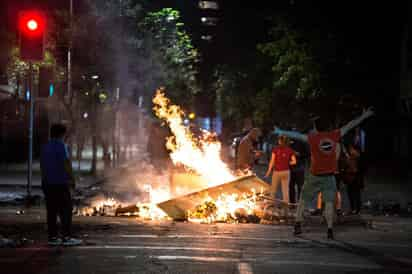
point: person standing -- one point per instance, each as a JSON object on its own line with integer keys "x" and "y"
{"x": 297, "y": 171}
{"x": 323, "y": 147}
{"x": 57, "y": 180}
{"x": 359, "y": 143}
{"x": 282, "y": 157}
{"x": 352, "y": 178}
{"x": 247, "y": 152}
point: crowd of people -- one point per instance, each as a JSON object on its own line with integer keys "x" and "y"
{"x": 336, "y": 162}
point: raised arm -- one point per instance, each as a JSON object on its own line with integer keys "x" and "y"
{"x": 292, "y": 134}
{"x": 355, "y": 122}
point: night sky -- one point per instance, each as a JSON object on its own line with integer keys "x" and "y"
{"x": 367, "y": 33}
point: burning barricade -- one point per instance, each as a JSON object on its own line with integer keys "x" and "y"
{"x": 224, "y": 202}
{"x": 202, "y": 187}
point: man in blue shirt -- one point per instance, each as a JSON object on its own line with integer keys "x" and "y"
{"x": 57, "y": 179}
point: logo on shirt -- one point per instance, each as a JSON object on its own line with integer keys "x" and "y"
{"x": 326, "y": 145}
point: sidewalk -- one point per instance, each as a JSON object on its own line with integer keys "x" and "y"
{"x": 15, "y": 175}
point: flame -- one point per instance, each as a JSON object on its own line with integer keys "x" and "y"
{"x": 226, "y": 208}
{"x": 202, "y": 154}
{"x": 110, "y": 202}
{"x": 149, "y": 210}
{"x": 100, "y": 207}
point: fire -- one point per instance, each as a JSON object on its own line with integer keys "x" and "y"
{"x": 226, "y": 208}
{"x": 101, "y": 207}
{"x": 149, "y": 211}
{"x": 202, "y": 154}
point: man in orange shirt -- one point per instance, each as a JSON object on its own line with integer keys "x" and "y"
{"x": 323, "y": 147}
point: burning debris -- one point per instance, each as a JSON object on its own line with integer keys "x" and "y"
{"x": 112, "y": 208}
{"x": 106, "y": 207}
{"x": 201, "y": 188}
{"x": 228, "y": 208}
{"x": 240, "y": 195}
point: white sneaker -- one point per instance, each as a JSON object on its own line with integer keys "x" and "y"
{"x": 54, "y": 241}
{"x": 71, "y": 241}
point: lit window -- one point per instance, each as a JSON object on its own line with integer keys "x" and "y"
{"x": 206, "y": 37}
{"x": 208, "y": 5}
{"x": 209, "y": 21}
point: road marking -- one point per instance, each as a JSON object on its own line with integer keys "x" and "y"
{"x": 361, "y": 243}
{"x": 203, "y": 236}
{"x": 195, "y": 258}
{"x": 275, "y": 262}
{"x": 244, "y": 268}
{"x": 144, "y": 247}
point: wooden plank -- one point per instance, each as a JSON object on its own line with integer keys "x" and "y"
{"x": 177, "y": 208}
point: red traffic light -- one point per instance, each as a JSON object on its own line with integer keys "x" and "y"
{"x": 32, "y": 25}
{"x": 32, "y": 22}
{"x": 32, "y": 28}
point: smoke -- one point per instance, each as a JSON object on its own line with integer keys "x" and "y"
{"x": 130, "y": 67}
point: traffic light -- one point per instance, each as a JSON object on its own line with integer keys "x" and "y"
{"x": 32, "y": 27}
{"x": 46, "y": 81}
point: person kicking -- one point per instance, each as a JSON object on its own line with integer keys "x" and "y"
{"x": 323, "y": 144}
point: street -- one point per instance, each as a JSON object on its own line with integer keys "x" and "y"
{"x": 205, "y": 137}
{"x": 126, "y": 246}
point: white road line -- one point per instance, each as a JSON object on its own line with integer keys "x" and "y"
{"x": 361, "y": 243}
{"x": 244, "y": 268}
{"x": 274, "y": 262}
{"x": 194, "y": 258}
{"x": 201, "y": 236}
{"x": 144, "y": 247}
{"x": 311, "y": 263}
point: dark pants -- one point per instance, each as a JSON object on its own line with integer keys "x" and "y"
{"x": 58, "y": 203}
{"x": 354, "y": 195}
{"x": 297, "y": 178}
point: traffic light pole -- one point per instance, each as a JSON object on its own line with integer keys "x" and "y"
{"x": 31, "y": 118}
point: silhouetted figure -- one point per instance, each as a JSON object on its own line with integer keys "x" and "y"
{"x": 57, "y": 179}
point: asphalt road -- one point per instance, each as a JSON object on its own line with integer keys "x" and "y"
{"x": 126, "y": 246}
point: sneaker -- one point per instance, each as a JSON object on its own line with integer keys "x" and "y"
{"x": 298, "y": 229}
{"x": 54, "y": 241}
{"x": 330, "y": 234}
{"x": 67, "y": 241}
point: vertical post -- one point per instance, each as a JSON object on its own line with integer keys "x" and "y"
{"x": 69, "y": 54}
{"x": 31, "y": 118}
{"x": 94, "y": 131}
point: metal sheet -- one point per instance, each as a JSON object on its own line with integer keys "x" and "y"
{"x": 177, "y": 208}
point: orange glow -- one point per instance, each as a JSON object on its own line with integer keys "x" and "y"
{"x": 199, "y": 154}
